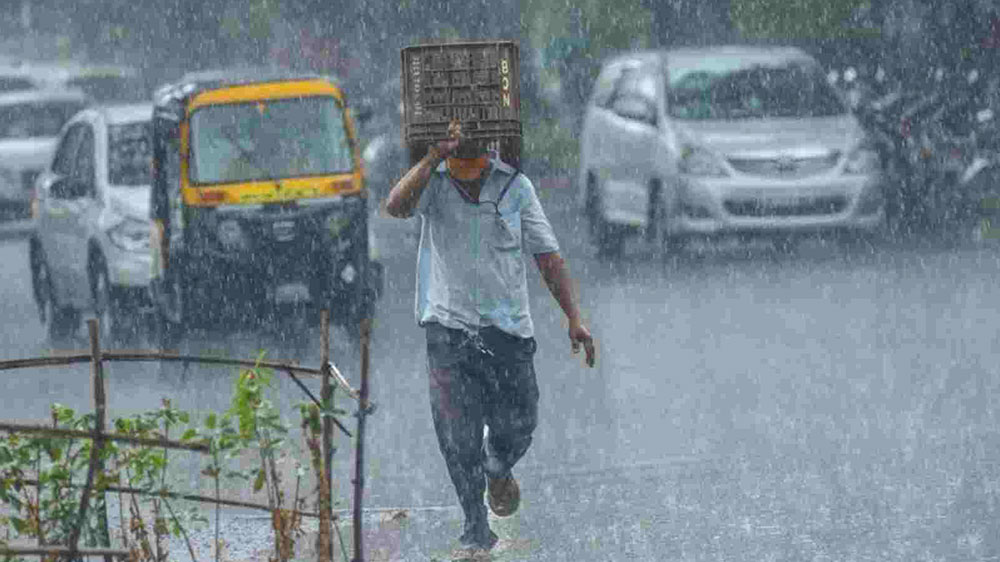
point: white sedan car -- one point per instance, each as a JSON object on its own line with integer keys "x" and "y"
{"x": 724, "y": 141}
{"x": 90, "y": 251}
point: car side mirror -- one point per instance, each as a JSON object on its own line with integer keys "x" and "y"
{"x": 68, "y": 188}
{"x": 636, "y": 109}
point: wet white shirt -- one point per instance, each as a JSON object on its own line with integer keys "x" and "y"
{"x": 470, "y": 264}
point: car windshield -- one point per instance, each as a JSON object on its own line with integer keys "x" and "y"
{"x": 268, "y": 140}
{"x": 129, "y": 154}
{"x": 36, "y": 119}
{"x": 758, "y": 91}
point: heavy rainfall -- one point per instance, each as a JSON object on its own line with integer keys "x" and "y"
{"x": 776, "y": 222}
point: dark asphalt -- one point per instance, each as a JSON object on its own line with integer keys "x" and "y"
{"x": 747, "y": 404}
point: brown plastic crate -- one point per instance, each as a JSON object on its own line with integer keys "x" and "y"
{"x": 473, "y": 81}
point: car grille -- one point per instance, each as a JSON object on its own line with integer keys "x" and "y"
{"x": 786, "y": 167}
{"x": 28, "y": 179}
{"x": 803, "y": 206}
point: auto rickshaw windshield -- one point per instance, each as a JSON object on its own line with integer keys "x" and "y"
{"x": 270, "y": 139}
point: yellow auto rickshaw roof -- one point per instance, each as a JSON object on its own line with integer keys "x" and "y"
{"x": 258, "y": 91}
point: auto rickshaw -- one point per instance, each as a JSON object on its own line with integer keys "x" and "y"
{"x": 258, "y": 197}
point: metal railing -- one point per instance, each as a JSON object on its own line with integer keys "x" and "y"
{"x": 328, "y": 373}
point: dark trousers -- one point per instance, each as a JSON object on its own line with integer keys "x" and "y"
{"x": 490, "y": 382}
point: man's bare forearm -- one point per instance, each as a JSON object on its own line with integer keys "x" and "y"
{"x": 556, "y": 275}
{"x": 406, "y": 193}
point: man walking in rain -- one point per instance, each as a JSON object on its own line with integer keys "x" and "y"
{"x": 479, "y": 216}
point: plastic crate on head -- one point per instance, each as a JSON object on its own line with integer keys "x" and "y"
{"x": 474, "y": 82}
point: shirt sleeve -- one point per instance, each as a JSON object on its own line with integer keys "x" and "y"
{"x": 537, "y": 236}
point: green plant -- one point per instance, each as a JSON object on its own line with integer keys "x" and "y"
{"x": 145, "y": 469}
{"x": 38, "y": 477}
{"x": 259, "y": 424}
{"x": 41, "y": 478}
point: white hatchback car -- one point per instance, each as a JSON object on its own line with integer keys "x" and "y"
{"x": 90, "y": 250}
{"x": 723, "y": 140}
{"x": 30, "y": 121}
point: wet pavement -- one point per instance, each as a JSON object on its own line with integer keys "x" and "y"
{"x": 746, "y": 405}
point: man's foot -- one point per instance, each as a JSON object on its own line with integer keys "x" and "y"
{"x": 474, "y": 546}
{"x": 504, "y": 495}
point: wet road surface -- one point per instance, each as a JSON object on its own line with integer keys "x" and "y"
{"x": 746, "y": 405}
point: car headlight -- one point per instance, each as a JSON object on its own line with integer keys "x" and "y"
{"x": 699, "y": 162}
{"x": 862, "y": 160}
{"x": 131, "y": 235}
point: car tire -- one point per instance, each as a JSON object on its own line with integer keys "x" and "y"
{"x": 61, "y": 322}
{"x": 106, "y": 302}
{"x": 609, "y": 238}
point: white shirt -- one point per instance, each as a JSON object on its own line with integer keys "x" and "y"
{"x": 470, "y": 264}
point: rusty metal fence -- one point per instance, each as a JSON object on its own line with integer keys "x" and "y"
{"x": 330, "y": 377}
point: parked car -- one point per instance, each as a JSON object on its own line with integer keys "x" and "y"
{"x": 90, "y": 250}
{"x": 29, "y": 124}
{"x": 734, "y": 139}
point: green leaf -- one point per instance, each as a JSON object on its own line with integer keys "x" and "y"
{"x": 189, "y": 434}
{"x": 211, "y": 421}
{"x": 258, "y": 483}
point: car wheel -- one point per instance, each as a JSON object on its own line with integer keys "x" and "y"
{"x": 61, "y": 322}
{"x": 609, "y": 238}
{"x": 106, "y": 301}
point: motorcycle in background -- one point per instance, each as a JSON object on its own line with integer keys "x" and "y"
{"x": 953, "y": 156}
{"x": 893, "y": 116}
